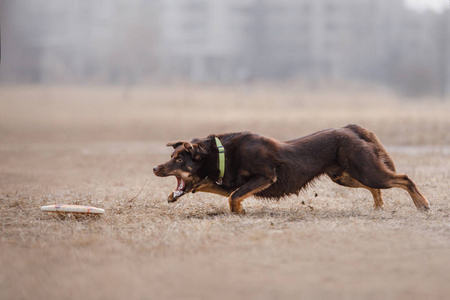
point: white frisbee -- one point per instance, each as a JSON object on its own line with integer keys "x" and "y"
{"x": 68, "y": 208}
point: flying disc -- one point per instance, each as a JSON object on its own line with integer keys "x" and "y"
{"x": 68, "y": 208}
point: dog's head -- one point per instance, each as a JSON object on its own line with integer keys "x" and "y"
{"x": 185, "y": 164}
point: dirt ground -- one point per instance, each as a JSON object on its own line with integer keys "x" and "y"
{"x": 97, "y": 146}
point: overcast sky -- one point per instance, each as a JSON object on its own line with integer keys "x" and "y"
{"x": 435, "y": 5}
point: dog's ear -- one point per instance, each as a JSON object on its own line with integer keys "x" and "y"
{"x": 198, "y": 150}
{"x": 188, "y": 146}
{"x": 175, "y": 145}
{"x": 195, "y": 151}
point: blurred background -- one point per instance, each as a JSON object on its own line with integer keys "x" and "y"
{"x": 398, "y": 44}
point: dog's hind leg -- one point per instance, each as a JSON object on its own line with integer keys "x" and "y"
{"x": 376, "y": 170}
{"x": 382, "y": 178}
{"x": 402, "y": 181}
{"x": 253, "y": 186}
{"x": 377, "y": 199}
{"x": 344, "y": 179}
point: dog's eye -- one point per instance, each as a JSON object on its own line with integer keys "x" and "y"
{"x": 179, "y": 160}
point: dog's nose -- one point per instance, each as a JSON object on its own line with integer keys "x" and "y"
{"x": 155, "y": 169}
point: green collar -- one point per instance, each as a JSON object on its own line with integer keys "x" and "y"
{"x": 221, "y": 150}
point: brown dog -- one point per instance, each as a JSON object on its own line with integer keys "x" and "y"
{"x": 263, "y": 167}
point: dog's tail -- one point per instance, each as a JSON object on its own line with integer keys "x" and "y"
{"x": 363, "y": 133}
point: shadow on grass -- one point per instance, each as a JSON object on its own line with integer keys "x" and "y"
{"x": 206, "y": 215}
{"x": 303, "y": 214}
{"x": 72, "y": 216}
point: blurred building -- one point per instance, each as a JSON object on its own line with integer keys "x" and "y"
{"x": 52, "y": 41}
{"x": 380, "y": 41}
{"x": 133, "y": 41}
{"x": 201, "y": 39}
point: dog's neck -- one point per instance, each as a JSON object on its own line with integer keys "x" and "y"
{"x": 211, "y": 163}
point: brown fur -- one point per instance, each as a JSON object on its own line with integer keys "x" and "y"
{"x": 263, "y": 167}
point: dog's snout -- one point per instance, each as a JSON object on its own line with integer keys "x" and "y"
{"x": 160, "y": 171}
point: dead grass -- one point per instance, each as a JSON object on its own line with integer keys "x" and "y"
{"x": 96, "y": 146}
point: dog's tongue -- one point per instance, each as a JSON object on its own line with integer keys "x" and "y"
{"x": 179, "y": 189}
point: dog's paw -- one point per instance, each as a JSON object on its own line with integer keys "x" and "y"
{"x": 424, "y": 209}
{"x": 239, "y": 212}
{"x": 172, "y": 198}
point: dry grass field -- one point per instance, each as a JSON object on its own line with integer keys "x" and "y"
{"x": 97, "y": 146}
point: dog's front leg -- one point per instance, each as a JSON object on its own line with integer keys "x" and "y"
{"x": 253, "y": 186}
{"x": 172, "y": 197}
{"x": 213, "y": 188}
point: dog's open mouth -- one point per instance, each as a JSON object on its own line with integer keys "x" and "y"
{"x": 184, "y": 186}
{"x": 180, "y": 190}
